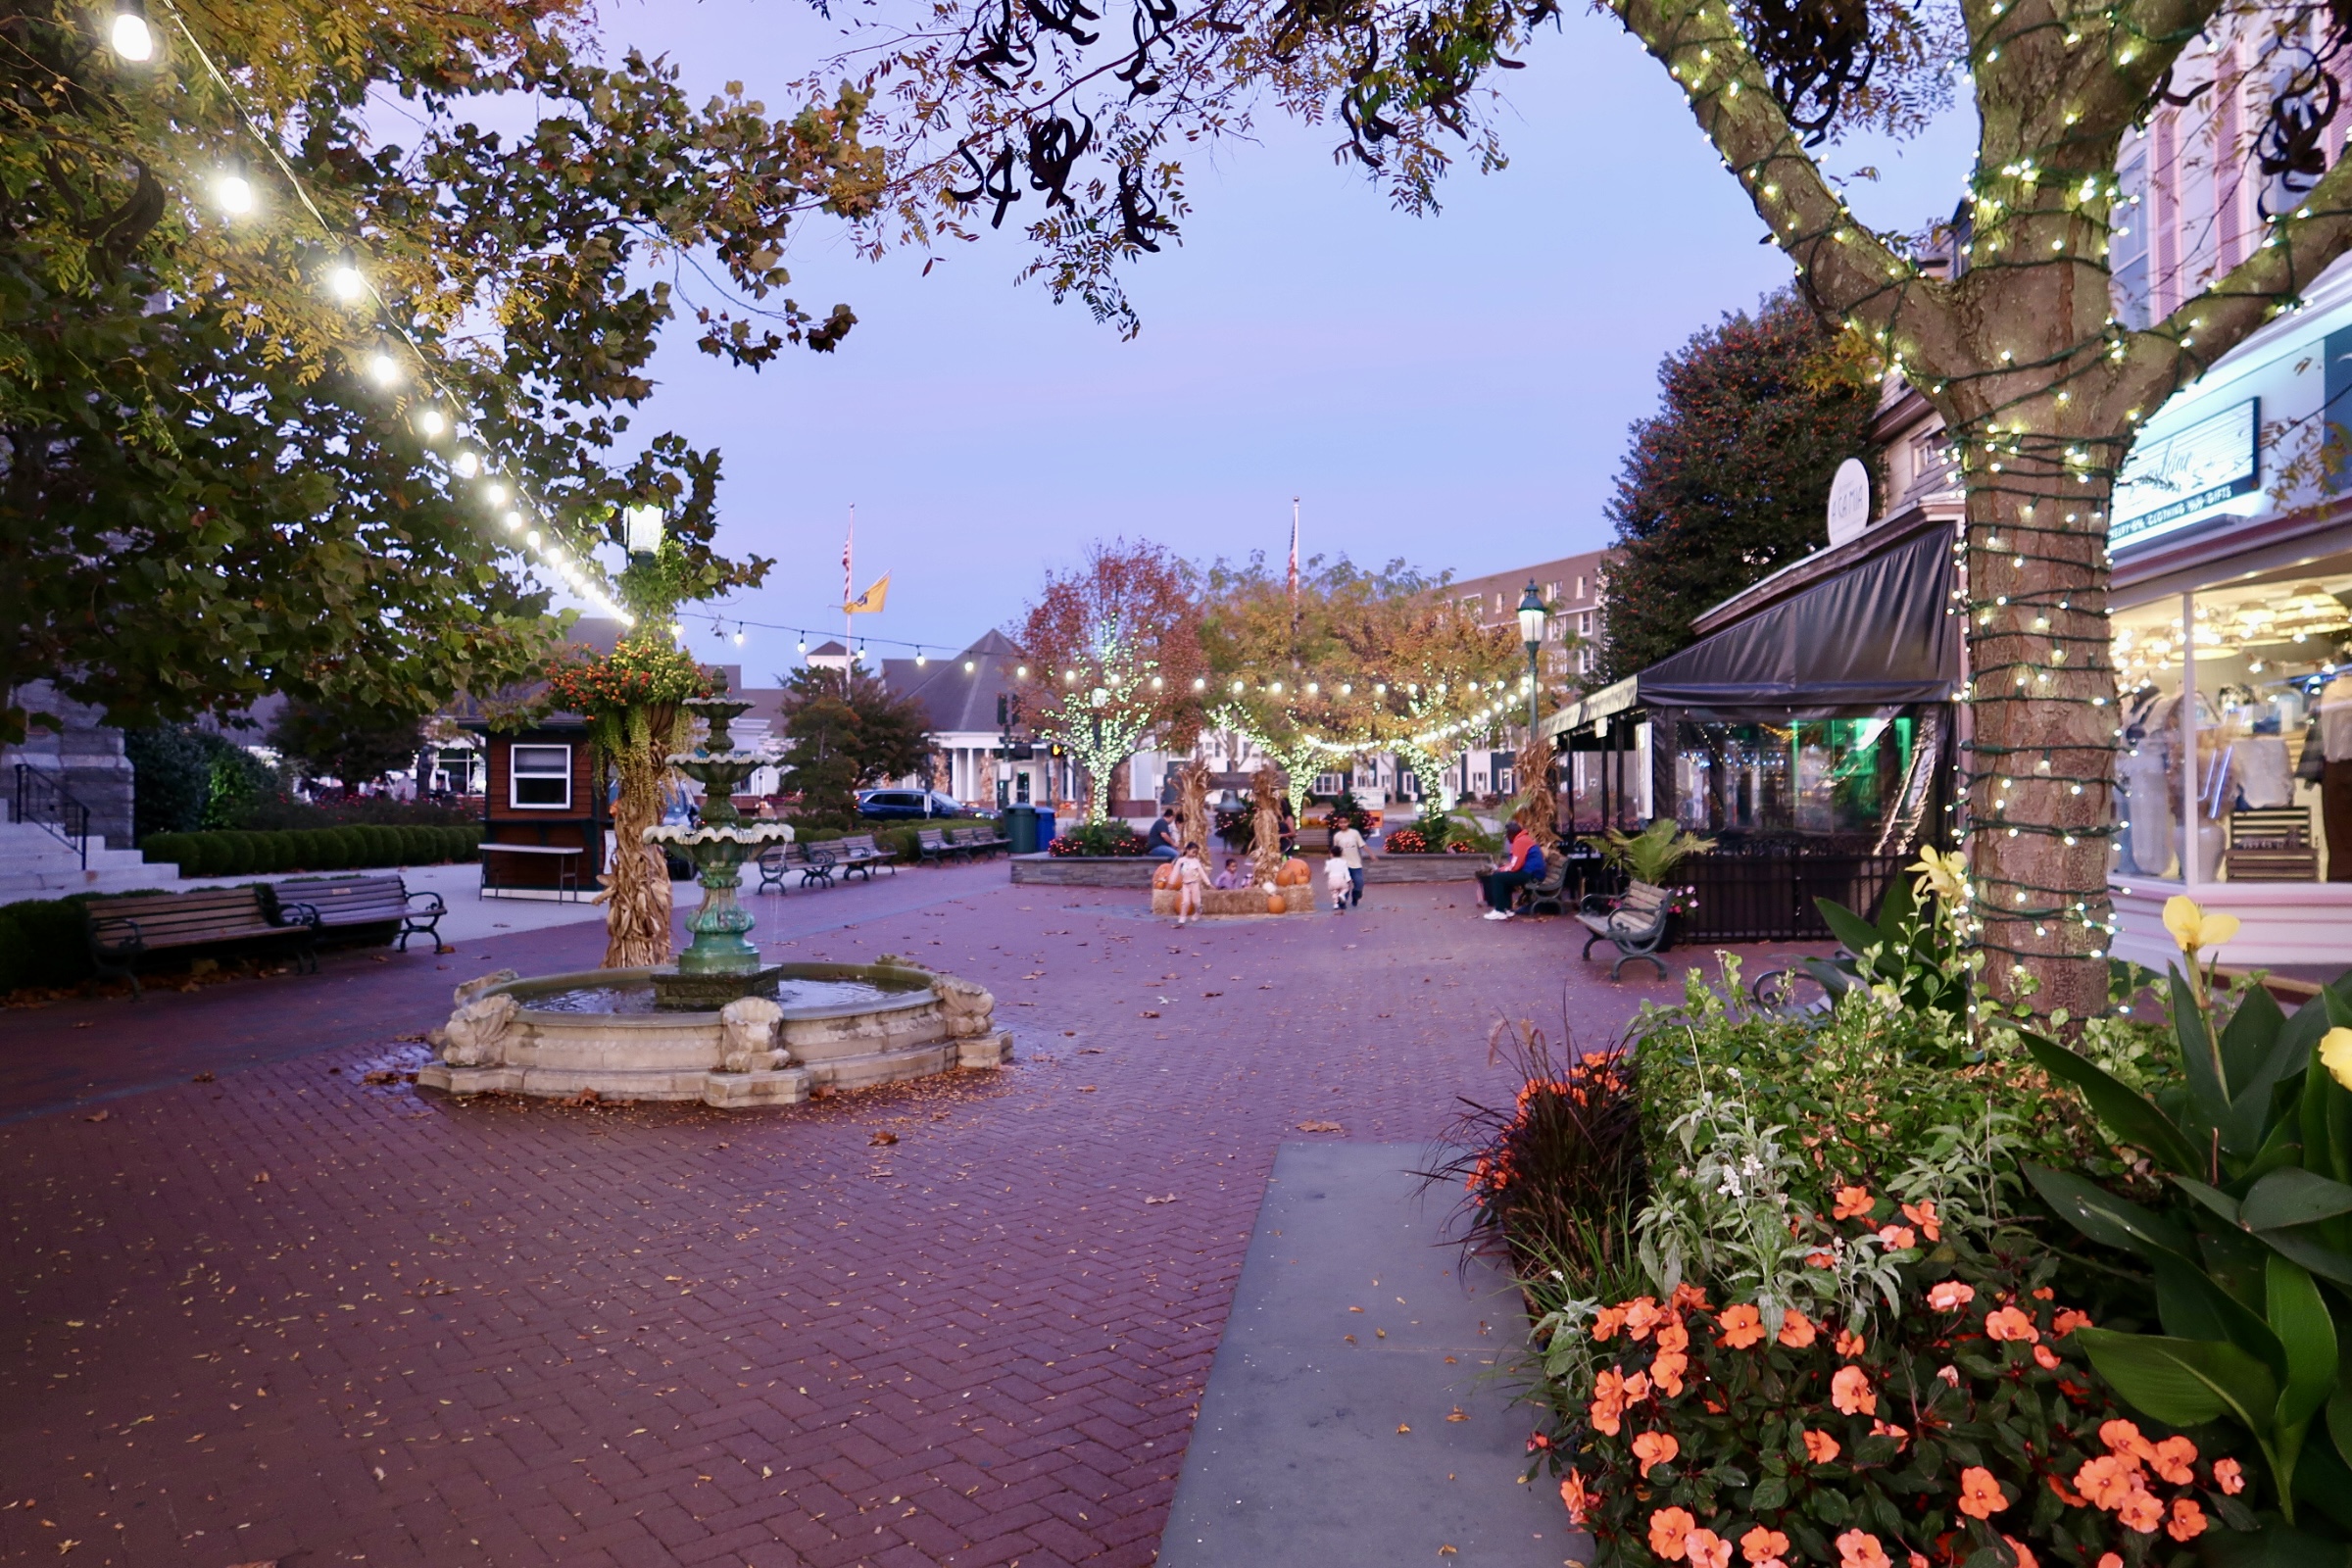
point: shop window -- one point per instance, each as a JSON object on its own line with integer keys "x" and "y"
{"x": 2128, "y": 260}
{"x": 2255, "y": 753}
{"x": 1835, "y": 778}
{"x": 540, "y": 778}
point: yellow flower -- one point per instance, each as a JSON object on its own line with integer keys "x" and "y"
{"x": 2192, "y": 927}
{"x": 1943, "y": 873}
{"x": 2336, "y": 1054}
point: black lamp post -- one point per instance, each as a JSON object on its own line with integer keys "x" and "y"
{"x": 1532, "y": 614}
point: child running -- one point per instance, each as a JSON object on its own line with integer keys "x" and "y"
{"x": 1336, "y": 883}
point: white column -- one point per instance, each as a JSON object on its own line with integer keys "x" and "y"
{"x": 2188, "y": 741}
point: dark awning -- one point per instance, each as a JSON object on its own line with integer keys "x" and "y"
{"x": 1877, "y": 635}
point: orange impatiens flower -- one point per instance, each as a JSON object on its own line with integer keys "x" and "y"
{"x": 1764, "y": 1547}
{"x": 1820, "y": 1447}
{"x": 1743, "y": 1326}
{"x": 1687, "y": 1297}
{"x": 1609, "y": 1394}
{"x": 2025, "y": 1557}
{"x": 1980, "y": 1496}
{"x": 2110, "y": 1559}
{"x": 1898, "y": 1238}
{"x": 2046, "y": 1359}
{"x": 1673, "y": 1337}
{"x": 1923, "y": 1215}
{"x": 2140, "y": 1510}
{"x": 1821, "y": 1260}
{"x": 1859, "y": 1548}
{"x": 2189, "y": 1520}
{"x": 1796, "y": 1330}
{"x": 2171, "y": 1459}
{"x": 1666, "y": 1371}
{"x": 1653, "y": 1449}
{"x": 1850, "y": 1391}
{"x": 2105, "y": 1482}
{"x": 2066, "y": 1494}
{"x": 1852, "y": 1201}
{"x": 1706, "y": 1549}
{"x": 1578, "y": 1502}
{"x": 2123, "y": 1441}
{"x": 1949, "y": 1295}
{"x": 1849, "y": 1344}
{"x": 1607, "y": 1321}
{"x": 1669, "y": 1528}
{"x": 1641, "y": 1315}
{"x": 2068, "y": 1320}
{"x": 2229, "y": 1476}
{"x": 2008, "y": 1323}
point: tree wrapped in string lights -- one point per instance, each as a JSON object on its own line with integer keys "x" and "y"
{"x": 1112, "y": 657}
{"x": 2018, "y": 343}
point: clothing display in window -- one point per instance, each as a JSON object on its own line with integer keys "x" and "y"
{"x": 2265, "y": 778}
{"x": 2148, "y": 796}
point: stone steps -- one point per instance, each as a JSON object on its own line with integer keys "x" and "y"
{"x": 35, "y": 864}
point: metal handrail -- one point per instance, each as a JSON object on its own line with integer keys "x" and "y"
{"x": 41, "y": 797}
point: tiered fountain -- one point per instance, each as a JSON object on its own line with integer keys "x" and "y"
{"x": 719, "y": 1025}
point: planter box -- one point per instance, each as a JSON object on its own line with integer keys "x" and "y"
{"x": 1233, "y": 902}
{"x": 1385, "y": 867}
{"x": 1083, "y": 871}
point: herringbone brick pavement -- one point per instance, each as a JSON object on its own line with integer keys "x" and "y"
{"x": 287, "y": 1316}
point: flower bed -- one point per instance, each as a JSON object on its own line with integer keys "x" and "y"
{"x": 1882, "y": 1289}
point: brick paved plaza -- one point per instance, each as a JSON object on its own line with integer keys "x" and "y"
{"x": 286, "y": 1315}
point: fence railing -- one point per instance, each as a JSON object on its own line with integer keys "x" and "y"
{"x": 1769, "y": 898}
{"x": 41, "y": 797}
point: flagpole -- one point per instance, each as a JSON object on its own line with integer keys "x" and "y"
{"x": 849, "y": 580}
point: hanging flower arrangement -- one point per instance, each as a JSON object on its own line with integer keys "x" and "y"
{"x": 639, "y": 673}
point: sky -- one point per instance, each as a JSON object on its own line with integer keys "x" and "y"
{"x": 1454, "y": 390}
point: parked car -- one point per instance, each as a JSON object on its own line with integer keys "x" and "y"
{"x": 899, "y": 806}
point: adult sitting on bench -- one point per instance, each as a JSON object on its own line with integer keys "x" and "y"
{"x": 1522, "y": 866}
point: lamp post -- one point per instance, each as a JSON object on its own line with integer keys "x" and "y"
{"x": 1532, "y": 614}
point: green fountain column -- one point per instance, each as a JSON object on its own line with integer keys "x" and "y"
{"x": 721, "y": 963}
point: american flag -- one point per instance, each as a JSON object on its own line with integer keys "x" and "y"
{"x": 848, "y": 589}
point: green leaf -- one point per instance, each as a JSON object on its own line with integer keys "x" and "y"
{"x": 2106, "y": 1218}
{"x": 2293, "y": 1197}
{"x": 2192, "y": 1306}
{"x": 2184, "y": 1383}
{"x": 2212, "y": 1197}
{"x": 2192, "y": 1026}
{"x": 2133, "y": 1117}
{"x": 2307, "y": 1329}
{"x": 1858, "y": 936}
{"x": 2339, "y": 1414}
{"x": 2312, "y": 1252}
{"x": 2259, "y": 1038}
{"x": 1771, "y": 1493}
{"x": 2247, "y": 1039}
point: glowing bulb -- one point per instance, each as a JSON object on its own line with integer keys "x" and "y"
{"x": 382, "y": 369}
{"x": 968, "y": 666}
{"x": 346, "y": 283}
{"x": 233, "y": 193}
{"x": 531, "y": 538}
{"x": 131, "y": 37}
{"x": 739, "y": 644}
{"x": 513, "y": 521}
{"x": 1237, "y": 688}
{"x": 1200, "y": 683}
{"x": 432, "y": 421}
{"x": 495, "y": 493}
{"x": 1020, "y": 672}
{"x": 919, "y": 658}
{"x": 467, "y": 464}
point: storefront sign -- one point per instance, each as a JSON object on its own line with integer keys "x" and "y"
{"x": 2173, "y": 481}
{"x": 1850, "y": 502}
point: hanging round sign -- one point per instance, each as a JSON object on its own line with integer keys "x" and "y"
{"x": 1849, "y": 500}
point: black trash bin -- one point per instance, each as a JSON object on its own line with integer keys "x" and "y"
{"x": 1020, "y": 827}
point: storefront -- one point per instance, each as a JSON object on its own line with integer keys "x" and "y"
{"x": 2232, "y": 549}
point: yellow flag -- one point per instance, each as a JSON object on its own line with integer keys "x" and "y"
{"x": 870, "y": 601}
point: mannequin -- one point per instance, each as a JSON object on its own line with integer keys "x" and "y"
{"x": 2335, "y": 783}
{"x": 2149, "y": 796}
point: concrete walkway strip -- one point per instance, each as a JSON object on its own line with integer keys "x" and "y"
{"x": 1353, "y": 1413}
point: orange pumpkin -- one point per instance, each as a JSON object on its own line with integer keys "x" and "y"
{"x": 1276, "y": 904}
{"x": 1165, "y": 875}
{"x": 1293, "y": 874}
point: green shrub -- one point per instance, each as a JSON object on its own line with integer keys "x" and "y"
{"x": 345, "y": 847}
{"x": 43, "y": 943}
{"x": 162, "y": 849}
{"x": 199, "y": 854}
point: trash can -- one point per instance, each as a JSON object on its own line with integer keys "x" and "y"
{"x": 1045, "y": 827}
{"x": 1020, "y": 826}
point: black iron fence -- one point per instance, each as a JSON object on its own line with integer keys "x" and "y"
{"x": 41, "y": 797}
{"x": 1769, "y": 898}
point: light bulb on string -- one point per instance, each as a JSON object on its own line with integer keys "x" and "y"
{"x": 343, "y": 281}
{"x": 495, "y": 493}
{"x": 382, "y": 369}
{"x": 467, "y": 464}
{"x": 130, "y": 35}
{"x": 802, "y": 645}
{"x": 919, "y": 660}
{"x": 431, "y": 421}
{"x": 513, "y": 521}
{"x": 232, "y": 191}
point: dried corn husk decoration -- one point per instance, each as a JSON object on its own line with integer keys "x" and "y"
{"x": 1191, "y": 803}
{"x": 1537, "y": 810}
{"x": 1265, "y": 792}
{"x": 636, "y": 743}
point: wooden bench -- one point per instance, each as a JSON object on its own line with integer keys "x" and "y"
{"x": 934, "y": 845}
{"x": 122, "y": 931}
{"x": 981, "y": 841}
{"x": 1635, "y": 924}
{"x": 1547, "y": 894}
{"x": 335, "y": 901}
{"x": 780, "y": 860}
{"x": 858, "y": 854}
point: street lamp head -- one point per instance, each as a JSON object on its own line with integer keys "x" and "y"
{"x": 1532, "y": 614}
{"x": 643, "y": 525}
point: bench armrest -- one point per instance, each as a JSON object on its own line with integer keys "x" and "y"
{"x": 436, "y": 908}
{"x": 100, "y": 924}
{"x": 299, "y": 913}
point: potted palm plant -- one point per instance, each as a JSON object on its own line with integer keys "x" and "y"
{"x": 1649, "y": 858}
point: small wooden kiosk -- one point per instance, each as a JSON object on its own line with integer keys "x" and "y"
{"x": 544, "y": 819}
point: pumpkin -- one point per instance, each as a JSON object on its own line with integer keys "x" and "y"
{"x": 1293, "y": 874}
{"x": 1276, "y": 904}
{"x": 1165, "y": 875}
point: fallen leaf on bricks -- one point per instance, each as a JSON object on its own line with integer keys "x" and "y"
{"x": 1402, "y": 1428}
{"x": 101, "y": 1116}
{"x": 1459, "y": 1414}
{"x": 881, "y": 1138}
{"x": 202, "y": 1078}
{"x": 1170, "y": 1199}
{"x": 1148, "y": 1014}
{"x": 1212, "y": 993}
{"x": 1447, "y": 1551}
{"x": 1320, "y": 1127}
{"x": 260, "y": 1178}
{"x": 1086, "y": 1089}
{"x": 382, "y": 1075}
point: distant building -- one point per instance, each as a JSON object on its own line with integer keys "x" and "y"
{"x": 1573, "y": 588}
{"x": 961, "y": 697}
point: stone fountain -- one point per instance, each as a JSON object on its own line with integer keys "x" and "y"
{"x": 719, "y": 1025}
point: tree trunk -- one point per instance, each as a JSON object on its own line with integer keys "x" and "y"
{"x": 636, "y": 892}
{"x": 2038, "y": 766}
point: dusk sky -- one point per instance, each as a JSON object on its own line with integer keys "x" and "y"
{"x": 1454, "y": 390}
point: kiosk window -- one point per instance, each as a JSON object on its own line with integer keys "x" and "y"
{"x": 542, "y": 778}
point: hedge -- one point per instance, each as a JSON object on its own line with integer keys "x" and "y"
{"x": 353, "y": 847}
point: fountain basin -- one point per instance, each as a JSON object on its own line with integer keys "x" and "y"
{"x": 830, "y": 1026}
